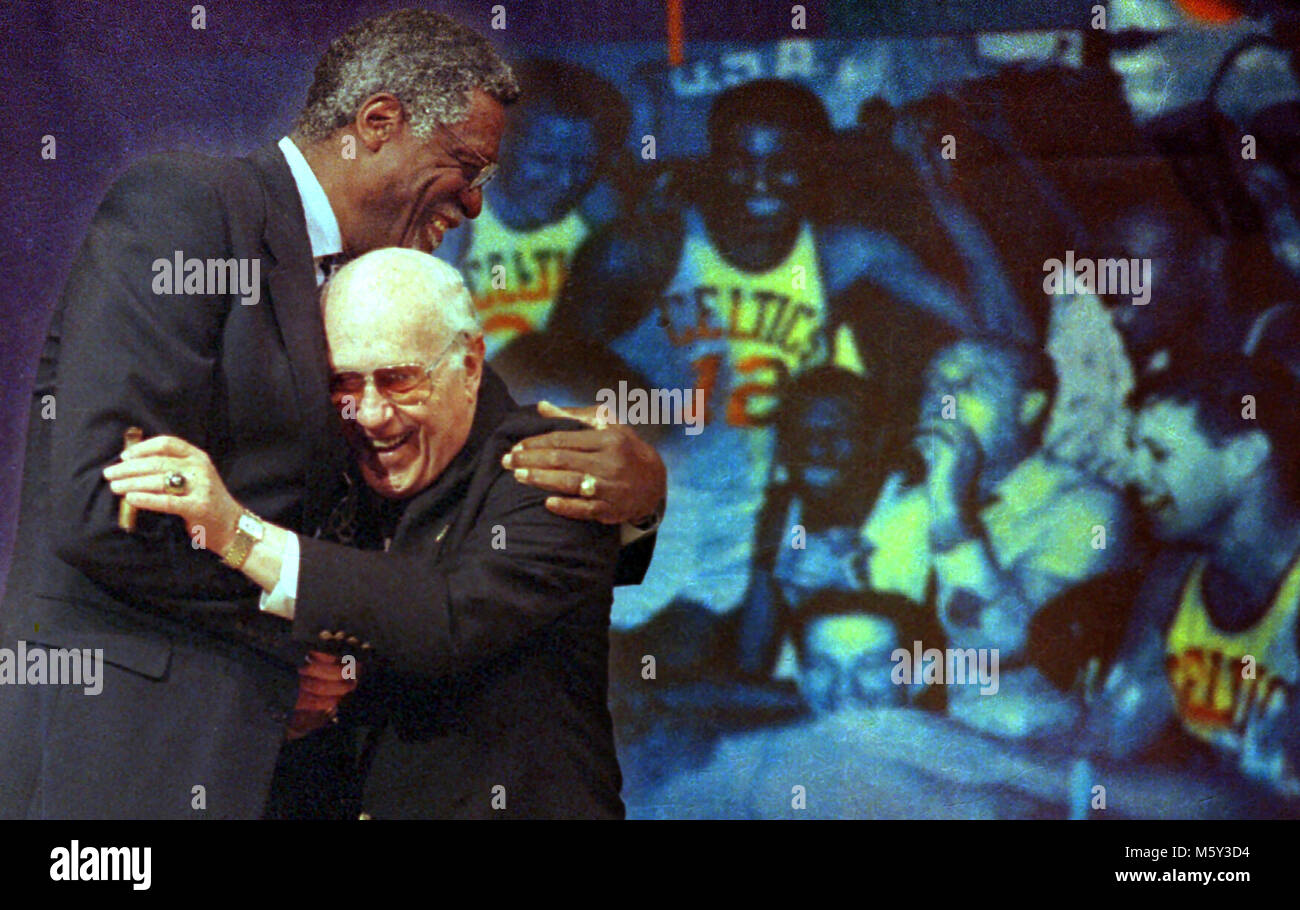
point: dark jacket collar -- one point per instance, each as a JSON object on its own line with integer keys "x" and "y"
{"x": 286, "y": 223}
{"x": 291, "y": 279}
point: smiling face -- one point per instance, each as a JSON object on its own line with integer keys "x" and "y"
{"x": 762, "y": 178}
{"x": 384, "y": 310}
{"x": 415, "y": 190}
{"x": 1182, "y": 476}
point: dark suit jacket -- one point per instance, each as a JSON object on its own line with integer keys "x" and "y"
{"x": 486, "y": 634}
{"x": 198, "y": 684}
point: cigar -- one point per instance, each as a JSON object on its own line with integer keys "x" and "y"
{"x": 126, "y": 513}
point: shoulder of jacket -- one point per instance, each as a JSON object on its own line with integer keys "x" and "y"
{"x": 524, "y": 421}
{"x": 181, "y": 171}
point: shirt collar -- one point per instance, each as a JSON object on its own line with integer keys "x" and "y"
{"x": 322, "y": 227}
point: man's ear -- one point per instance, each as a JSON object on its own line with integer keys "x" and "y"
{"x": 379, "y": 119}
{"x": 1032, "y": 406}
{"x": 474, "y": 359}
{"x": 1247, "y": 453}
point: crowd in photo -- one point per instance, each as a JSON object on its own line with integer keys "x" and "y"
{"x": 993, "y": 508}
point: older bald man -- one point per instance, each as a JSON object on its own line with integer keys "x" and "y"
{"x": 479, "y": 619}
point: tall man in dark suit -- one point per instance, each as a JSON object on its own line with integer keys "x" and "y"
{"x": 483, "y": 626}
{"x": 191, "y": 311}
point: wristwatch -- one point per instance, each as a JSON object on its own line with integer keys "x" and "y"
{"x": 248, "y": 531}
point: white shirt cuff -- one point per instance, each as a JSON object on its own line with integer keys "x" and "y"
{"x": 629, "y": 533}
{"x": 280, "y": 601}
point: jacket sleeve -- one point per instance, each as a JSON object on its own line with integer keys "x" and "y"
{"x": 634, "y": 559}
{"x": 434, "y": 613}
{"x": 130, "y": 355}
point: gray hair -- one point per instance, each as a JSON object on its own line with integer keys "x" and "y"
{"x": 428, "y": 61}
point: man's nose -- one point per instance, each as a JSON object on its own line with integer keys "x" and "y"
{"x": 471, "y": 202}
{"x": 373, "y": 409}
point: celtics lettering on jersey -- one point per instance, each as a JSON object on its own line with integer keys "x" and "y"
{"x": 735, "y": 334}
{"x": 1226, "y": 683}
{"x": 515, "y": 276}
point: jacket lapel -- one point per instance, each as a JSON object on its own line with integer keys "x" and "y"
{"x": 291, "y": 279}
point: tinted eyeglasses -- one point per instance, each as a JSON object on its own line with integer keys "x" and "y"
{"x": 403, "y": 384}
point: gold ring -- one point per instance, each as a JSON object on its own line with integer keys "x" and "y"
{"x": 588, "y": 486}
{"x": 177, "y": 484}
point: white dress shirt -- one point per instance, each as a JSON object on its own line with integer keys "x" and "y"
{"x": 322, "y": 227}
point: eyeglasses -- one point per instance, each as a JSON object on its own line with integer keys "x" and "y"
{"x": 404, "y": 385}
{"x": 486, "y": 169}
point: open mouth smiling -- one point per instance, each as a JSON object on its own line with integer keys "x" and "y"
{"x": 389, "y": 443}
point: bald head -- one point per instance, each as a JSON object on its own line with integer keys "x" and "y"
{"x": 399, "y": 288}
{"x": 399, "y": 308}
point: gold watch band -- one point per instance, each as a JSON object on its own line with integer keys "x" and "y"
{"x": 237, "y": 553}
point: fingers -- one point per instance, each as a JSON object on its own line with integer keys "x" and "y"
{"x": 159, "y": 445}
{"x": 566, "y": 482}
{"x": 579, "y": 440}
{"x": 136, "y": 467}
{"x": 201, "y": 500}
{"x": 148, "y": 483}
{"x": 596, "y": 416}
{"x": 327, "y": 671}
{"x": 323, "y": 676}
{"x": 553, "y": 460}
{"x": 569, "y": 483}
{"x": 159, "y": 502}
{"x": 325, "y": 689}
{"x": 321, "y": 686}
{"x": 582, "y": 509}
